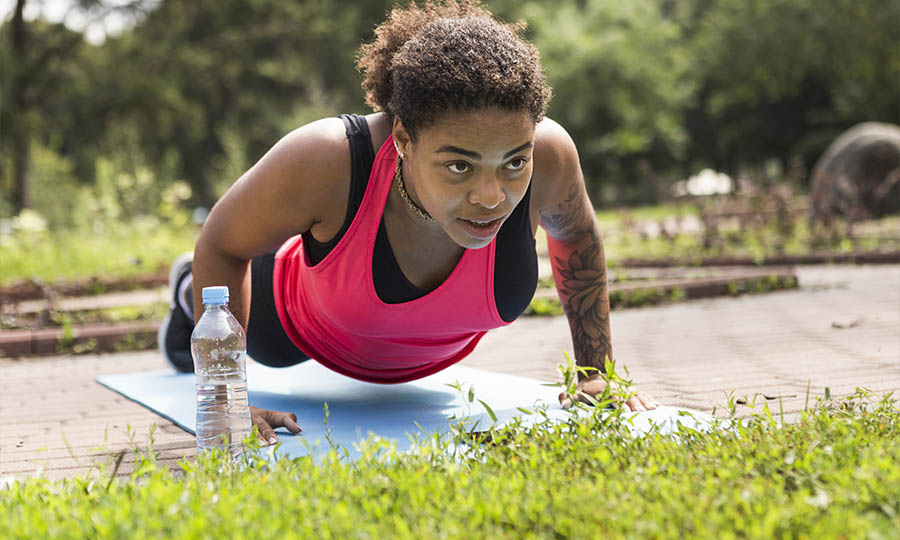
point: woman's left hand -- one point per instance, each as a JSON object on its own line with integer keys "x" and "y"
{"x": 594, "y": 386}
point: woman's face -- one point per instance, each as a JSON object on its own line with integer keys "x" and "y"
{"x": 469, "y": 170}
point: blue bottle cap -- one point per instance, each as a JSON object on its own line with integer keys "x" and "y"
{"x": 215, "y": 295}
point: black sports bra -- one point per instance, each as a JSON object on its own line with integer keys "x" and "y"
{"x": 515, "y": 267}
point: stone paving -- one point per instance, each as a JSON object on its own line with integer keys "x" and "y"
{"x": 841, "y": 329}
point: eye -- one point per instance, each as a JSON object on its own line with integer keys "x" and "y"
{"x": 517, "y": 164}
{"x": 459, "y": 167}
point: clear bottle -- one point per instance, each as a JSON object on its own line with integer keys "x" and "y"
{"x": 219, "y": 349}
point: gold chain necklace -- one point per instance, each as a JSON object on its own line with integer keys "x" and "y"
{"x": 402, "y": 189}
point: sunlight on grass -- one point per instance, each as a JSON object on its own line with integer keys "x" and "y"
{"x": 126, "y": 251}
{"x": 657, "y": 212}
{"x": 833, "y": 474}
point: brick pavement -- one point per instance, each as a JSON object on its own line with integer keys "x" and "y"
{"x": 841, "y": 329}
{"x": 689, "y": 354}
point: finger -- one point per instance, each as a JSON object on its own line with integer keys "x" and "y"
{"x": 594, "y": 387}
{"x": 266, "y": 433}
{"x": 565, "y": 400}
{"x": 635, "y": 404}
{"x": 289, "y": 420}
{"x": 648, "y": 402}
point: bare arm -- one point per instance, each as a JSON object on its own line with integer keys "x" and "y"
{"x": 293, "y": 188}
{"x": 299, "y": 185}
{"x": 576, "y": 250}
{"x": 576, "y": 254}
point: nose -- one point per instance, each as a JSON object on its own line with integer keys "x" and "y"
{"x": 487, "y": 192}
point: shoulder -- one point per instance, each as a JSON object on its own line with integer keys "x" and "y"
{"x": 379, "y": 128}
{"x": 557, "y": 171}
{"x": 312, "y": 154}
{"x": 300, "y": 183}
{"x": 553, "y": 140}
{"x": 311, "y": 166}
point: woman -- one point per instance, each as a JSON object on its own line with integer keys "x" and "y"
{"x": 385, "y": 246}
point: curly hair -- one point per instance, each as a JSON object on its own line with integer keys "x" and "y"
{"x": 450, "y": 56}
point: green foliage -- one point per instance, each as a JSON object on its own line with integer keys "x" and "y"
{"x": 221, "y": 81}
{"x": 758, "y": 239}
{"x": 649, "y": 296}
{"x": 617, "y": 70}
{"x": 57, "y": 195}
{"x": 128, "y": 250}
{"x": 651, "y": 90}
{"x": 67, "y": 319}
{"x": 544, "y": 307}
{"x": 128, "y": 223}
{"x": 833, "y": 474}
{"x": 782, "y": 78}
{"x": 656, "y": 212}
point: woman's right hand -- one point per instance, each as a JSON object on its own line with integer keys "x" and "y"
{"x": 266, "y": 421}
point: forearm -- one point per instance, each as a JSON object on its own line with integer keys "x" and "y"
{"x": 213, "y": 267}
{"x": 579, "y": 269}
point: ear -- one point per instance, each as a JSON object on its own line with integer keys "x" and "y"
{"x": 401, "y": 137}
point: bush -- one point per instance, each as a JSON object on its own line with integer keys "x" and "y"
{"x": 127, "y": 223}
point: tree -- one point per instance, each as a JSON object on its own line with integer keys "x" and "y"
{"x": 782, "y": 78}
{"x": 41, "y": 63}
{"x": 618, "y": 74}
{"x": 202, "y": 74}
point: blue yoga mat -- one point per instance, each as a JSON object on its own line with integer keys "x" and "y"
{"x": 393, "y": 412}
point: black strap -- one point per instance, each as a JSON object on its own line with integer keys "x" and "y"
{"x": 361, "y": 160}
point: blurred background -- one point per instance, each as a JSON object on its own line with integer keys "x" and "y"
{"x": 701, "y": 124}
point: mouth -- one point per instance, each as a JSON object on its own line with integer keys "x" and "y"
{"x": 482, "y": 228}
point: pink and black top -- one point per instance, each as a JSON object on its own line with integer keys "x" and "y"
{"x": 331, "y": 310}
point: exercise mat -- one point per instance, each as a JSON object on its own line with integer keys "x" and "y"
{"x": 395, "y": 412}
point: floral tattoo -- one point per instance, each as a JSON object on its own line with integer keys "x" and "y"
{"x": 579, "y": 267}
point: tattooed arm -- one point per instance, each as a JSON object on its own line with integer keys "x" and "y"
{"x": 579, "y": 270}
{"x": 576, "y": 254}
{"x": 573, "y": 238}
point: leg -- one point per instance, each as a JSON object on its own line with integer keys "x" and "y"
{"x": 174, "y": 336}
{"x": 267, "y": 342}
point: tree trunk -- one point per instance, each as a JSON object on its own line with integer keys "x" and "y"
{"x": 21, "y": 170}
{"x": 20, "y": 132}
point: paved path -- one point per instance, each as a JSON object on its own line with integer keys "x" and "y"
{"x": 776, "y": 344}
{"x": 841, "y": 330}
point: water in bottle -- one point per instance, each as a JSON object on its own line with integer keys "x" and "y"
{"x": 219, "y": 348}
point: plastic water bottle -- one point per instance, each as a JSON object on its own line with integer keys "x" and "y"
{"x": 219, "y": 349}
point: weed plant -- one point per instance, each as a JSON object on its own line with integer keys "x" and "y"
{"x": 56, "y": 318}
{"x": 835, "y": 473}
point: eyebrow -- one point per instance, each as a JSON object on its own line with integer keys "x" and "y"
{"x": 476, "y": 155}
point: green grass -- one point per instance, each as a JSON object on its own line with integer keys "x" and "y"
{"x": 544, "y": 307}
{"x": 615, "y": 216}
{"x": 622, "y": 237}
{"x": 755, "y": 243}
{"x": 148, "y": 312}
{"x": 147, "y": 246}
{"x": 833, "y": 474}
{"x": 128, "y": 250}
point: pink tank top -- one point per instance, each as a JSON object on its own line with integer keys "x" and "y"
{"x": 332, "y": 313}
